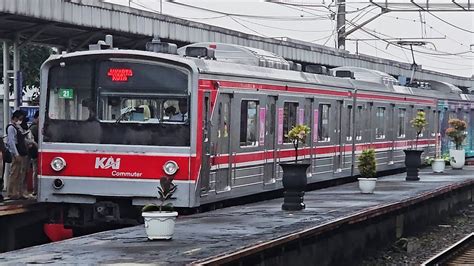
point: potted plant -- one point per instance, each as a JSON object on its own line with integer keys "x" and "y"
{"x": 437, "y": 163}
{"x": 457, "y": 133}
{"x": 367, "y": 168}
{"x": 160, "y": 219}
{"x": 294, "y": 174}
{"x": 413, "y": 155}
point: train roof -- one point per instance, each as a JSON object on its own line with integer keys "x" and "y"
{"x": 247, "y": 63}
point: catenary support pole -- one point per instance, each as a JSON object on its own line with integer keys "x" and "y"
{"x": 341, "y": 24}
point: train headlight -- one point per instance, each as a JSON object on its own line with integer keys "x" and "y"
{"x": 58, "y": 164}
{"x": 170, "y": 167}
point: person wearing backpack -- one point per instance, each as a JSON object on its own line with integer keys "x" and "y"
{"x": 17, "y": 147}
{"x": 33, "y": 151}
{"x": 5, "y": 157}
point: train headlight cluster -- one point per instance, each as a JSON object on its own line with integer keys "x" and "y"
{"x": 58, "y": 164}
{"x": 170, "y": 167}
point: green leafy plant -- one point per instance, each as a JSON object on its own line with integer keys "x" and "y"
{"x": 457, "y": 132}
{"x": 165, "y": 192}
{"x": 367, "y": 164}
{"x": 418, "y": 123}
{"x": 298, "y": 135}
{"x": 429, "y": 160}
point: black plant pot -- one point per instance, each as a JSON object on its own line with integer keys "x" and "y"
{"x": 412, "y": 162}
{"x": 294, "y": 184}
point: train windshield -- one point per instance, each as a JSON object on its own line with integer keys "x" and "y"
{"x": 118, "y": 101}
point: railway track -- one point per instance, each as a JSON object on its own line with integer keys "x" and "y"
{"x": 461, "y": 253}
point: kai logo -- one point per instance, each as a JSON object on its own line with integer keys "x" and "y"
{"x": 107, "y": 163}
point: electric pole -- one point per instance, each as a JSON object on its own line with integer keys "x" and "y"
{"x": 341, "y": 24}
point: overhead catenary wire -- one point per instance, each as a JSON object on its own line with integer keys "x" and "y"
{"x": 279, "y": 28}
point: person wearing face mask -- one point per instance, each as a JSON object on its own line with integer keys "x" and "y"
{"x": 17, "y": 147}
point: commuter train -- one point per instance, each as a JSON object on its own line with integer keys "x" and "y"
{"x": 215, "y": 117}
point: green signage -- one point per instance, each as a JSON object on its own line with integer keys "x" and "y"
{"x": 66, "y": 93}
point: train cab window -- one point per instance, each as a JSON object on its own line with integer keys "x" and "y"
{"x": 248, "y": 123}
{"x": 289, "y": 119}
{"x": 323, "y": 133}
{"x": 127, "y": 109}
{"x": 401, "y": 122}
{"x": 349, "y": 123}
{"x": 380, "y": 123}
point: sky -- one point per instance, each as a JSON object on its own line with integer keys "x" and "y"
{"x": 449, "y": 48}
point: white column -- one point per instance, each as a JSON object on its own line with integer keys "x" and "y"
{"x": 6, "y": 91}
{"x": 16, "y": 68}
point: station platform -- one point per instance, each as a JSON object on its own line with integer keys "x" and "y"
{"x": 250, "y": 233}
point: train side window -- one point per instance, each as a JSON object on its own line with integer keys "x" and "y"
{"x": 289, "y": 119}
{"x": 401, "y": 122}
{"x": 359, "y": 124}
{"x": 248, "y": 123}
{"x": 323, "y": 133}
{"x": 349, "y": 123}
{"x": 380, "y": 123}
{"x": 452, "y": 115}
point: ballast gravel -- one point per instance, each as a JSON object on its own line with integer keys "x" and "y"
{"x": 416, "y": 249}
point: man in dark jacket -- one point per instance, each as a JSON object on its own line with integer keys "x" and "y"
{"x": 34, "y": 153}
{"x": 17, "y": 147}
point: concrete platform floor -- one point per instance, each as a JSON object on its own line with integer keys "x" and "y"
{"x": 224, "y": 231}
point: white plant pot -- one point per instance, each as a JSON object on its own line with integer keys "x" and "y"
{"x": 438, "y": 165}
{"x": 367, "y": 185}
{"x": 159, "y": 225}
{"x": 457, "y": 158}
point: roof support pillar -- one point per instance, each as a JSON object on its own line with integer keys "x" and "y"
{"x": 16, "y": 74}
{"x": 6, "y": 86}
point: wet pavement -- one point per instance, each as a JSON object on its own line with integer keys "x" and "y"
{"x": 227, "y": 230}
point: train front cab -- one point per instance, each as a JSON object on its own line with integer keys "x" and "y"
{"x": 113, "y": 123}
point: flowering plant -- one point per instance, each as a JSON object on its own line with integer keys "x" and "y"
{"x": 457, "y": 132}
{"x": 419, "y": 123}
{"x": 298, "y": 135}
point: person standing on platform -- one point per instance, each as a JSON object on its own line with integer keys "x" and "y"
{"x": 34, "y": 151}
{"x": 17, "y": 147}
{"x": 2, "y": 166}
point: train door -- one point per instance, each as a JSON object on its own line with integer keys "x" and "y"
{"x": 392, "y": 133}
{"x": 338, "y": 137}
{"x": 270, "y": 139}
{"x": 471, "y": 128}
{"x": 206, "y": 149}
{"x": 223, "y": 173}
{"x": 307, "y": 120}
{"x": 347, "y": 135}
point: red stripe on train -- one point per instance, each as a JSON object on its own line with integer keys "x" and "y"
{"x": 135, "y": 166}
{"x": 329, "y": 150}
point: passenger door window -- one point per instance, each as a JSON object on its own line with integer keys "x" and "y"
{"x": 248, "y": 123}
{"x": 323, "y": 133}
{"x": 289, "y": 119}
{"x": 380, "y": 123}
